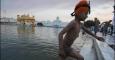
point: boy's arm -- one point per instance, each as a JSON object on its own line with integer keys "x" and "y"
{"x": 66, "y": 29}
{"x": 89, "y": 32}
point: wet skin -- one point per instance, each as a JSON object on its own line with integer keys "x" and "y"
{"x": 71, "y": 33}
{"x": 68, "y": 35}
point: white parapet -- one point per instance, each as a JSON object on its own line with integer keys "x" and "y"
{"x": 96, "y": 50}
{"x": 104, "y": 52}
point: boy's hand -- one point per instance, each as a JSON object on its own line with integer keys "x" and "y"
{"x": 101, "y": 39}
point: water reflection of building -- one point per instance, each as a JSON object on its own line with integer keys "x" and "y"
{"x": 26, "y": 20}
{"x": 25, "y": 29}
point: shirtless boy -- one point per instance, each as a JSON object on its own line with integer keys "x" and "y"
{"x": 68, "y": 35}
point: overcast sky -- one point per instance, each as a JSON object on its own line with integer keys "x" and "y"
{"x": 50, "y": 9}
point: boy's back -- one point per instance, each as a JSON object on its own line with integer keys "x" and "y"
{"x": 72, "y": 33}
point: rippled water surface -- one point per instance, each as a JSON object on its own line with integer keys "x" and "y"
{"x": 29, "y": 43}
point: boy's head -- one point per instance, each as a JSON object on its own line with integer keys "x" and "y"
{"x": 81, "y": 10}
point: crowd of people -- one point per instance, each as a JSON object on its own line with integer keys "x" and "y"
{"x": 95, "y": 26}
{"x": 106, "y": 28}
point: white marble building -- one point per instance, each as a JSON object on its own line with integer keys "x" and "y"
{"x": 56, "y": 23}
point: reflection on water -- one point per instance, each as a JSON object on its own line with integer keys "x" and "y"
{"x": 25, "y": 29}
{"x": 29, "y": 43}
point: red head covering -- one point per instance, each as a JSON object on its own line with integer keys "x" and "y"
{"x": 82, "y": 7}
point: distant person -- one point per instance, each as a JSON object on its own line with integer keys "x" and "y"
{"x": 68, "y": 35}
{"x": 113, "y": 22}
{"x": 101, "y": 27}
{"x": 96, "y": 26}
{"x": 105, "y": 27}
{"x": 110, "y": 29}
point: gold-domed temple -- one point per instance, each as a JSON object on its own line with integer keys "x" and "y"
{"x": 26, "y": 19}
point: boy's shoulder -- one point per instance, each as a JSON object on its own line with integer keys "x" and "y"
{"x": 72, "y": 22}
